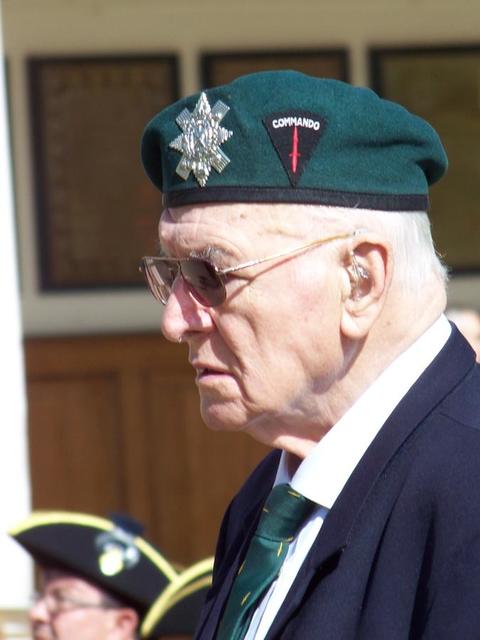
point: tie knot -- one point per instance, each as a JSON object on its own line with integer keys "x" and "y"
{"x": 284, "y": 512}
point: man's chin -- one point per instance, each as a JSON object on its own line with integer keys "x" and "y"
{"x": 218, "y": 416}
{"x": 42, "y": 632}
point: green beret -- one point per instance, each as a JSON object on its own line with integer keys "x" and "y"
{"x": 282, "y": 136}
{"x": 110, "y": 553}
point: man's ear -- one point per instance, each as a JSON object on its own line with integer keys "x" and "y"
{"x": 126, "y": 623}
{"x": 366, "y": 279}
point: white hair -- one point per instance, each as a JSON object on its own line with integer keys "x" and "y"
{"x": 417, "y": 265}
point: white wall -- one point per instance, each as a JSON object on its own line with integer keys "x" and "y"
{"x": 14, "y": 478}
{"x": 189, "y": 27}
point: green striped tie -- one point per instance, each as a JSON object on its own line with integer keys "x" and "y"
{"x": 283, "y": 515}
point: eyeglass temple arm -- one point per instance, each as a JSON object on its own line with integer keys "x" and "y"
{"x": 253, "y": 263}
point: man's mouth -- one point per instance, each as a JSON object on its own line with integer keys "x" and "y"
{"x": 42, "y": 632}
{"x": 206, "y": 371}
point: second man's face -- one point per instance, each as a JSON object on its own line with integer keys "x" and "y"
{"x": 57, "y": 615}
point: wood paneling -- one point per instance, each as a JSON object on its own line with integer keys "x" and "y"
{"x": 73, "y": 428}
{"x": 114, "y": 425}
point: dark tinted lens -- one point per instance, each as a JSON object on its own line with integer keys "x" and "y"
{"x": 204, "y": 282}
{"x": 160, "y": 276}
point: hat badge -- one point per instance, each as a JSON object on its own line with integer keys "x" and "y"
{"x": 116, "y": 551}
{"x": 200, "y": 140}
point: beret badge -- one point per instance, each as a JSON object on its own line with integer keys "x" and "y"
{"x": 116, "y": 552}
{"x": 200, "y": 140}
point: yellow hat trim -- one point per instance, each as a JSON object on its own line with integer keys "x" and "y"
{"x": 186, "y": 583}
{"x": 46, "y": 518}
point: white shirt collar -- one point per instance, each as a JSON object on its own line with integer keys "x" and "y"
{"x": 323, "y": 473}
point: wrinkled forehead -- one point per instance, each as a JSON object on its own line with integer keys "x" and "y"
{"x": 237, "y": 221}
{"x": 52, "y": 577}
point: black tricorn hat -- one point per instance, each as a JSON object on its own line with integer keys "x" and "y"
{"x": 110, "y": 553}
{"x": 177, "y": 609}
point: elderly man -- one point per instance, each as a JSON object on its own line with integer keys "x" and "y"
{"x": 101, "y": 580}
{"x": 298, "y": 266}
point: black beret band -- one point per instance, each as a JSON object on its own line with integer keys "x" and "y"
{"x": 384, "y": 202}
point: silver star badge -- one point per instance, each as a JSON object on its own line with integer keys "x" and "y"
{"x": 200, "y": 141}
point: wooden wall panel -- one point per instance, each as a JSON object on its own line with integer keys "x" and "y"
{"x": 114, "y": 424}
{"x": 75, "y": 448}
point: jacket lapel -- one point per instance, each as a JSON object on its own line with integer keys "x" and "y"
{"x": 212, "y": 611}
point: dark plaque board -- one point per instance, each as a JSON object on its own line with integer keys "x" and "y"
{"x": 223, "y": 67}
{"x": 442, "y": 85}
{"x": 96, "y": 210}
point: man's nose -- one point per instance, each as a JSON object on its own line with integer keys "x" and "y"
{"x": 38, "y": 611}
{"x": 183, "y": 315}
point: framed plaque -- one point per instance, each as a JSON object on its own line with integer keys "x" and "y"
{"x": 96, "y": 210}
{"x": 222, "y": 67}
{"x": 441, "y": 84}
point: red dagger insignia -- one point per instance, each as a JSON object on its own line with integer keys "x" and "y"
{"x": 294, "y": 155}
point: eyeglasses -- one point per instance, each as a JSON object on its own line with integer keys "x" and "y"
{"x": 205, "y": 281}
{"x": 57, "y": 603}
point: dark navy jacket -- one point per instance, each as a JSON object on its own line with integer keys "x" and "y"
{"x": 398, "y": 556}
